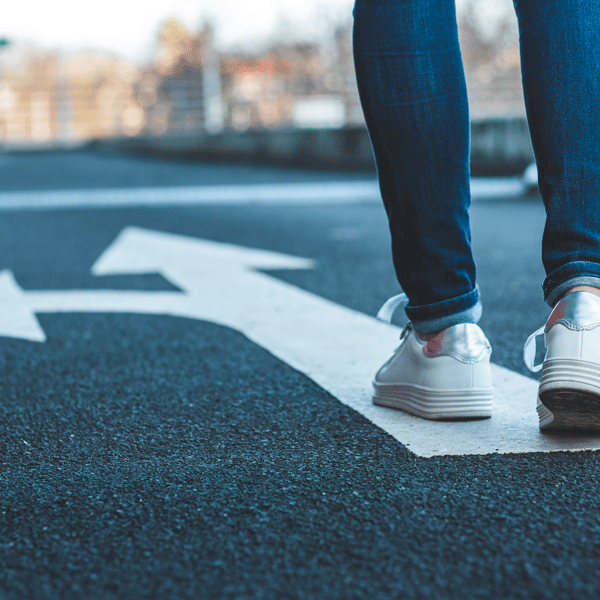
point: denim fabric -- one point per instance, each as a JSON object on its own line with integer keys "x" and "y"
{"x": 558, "y": 289}
{"x": 413, "y": 93}
{"x": 425, "y": 320}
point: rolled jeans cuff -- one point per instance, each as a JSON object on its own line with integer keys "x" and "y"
{"x": 441, "y": 315}
{"x": 568, "y": 276}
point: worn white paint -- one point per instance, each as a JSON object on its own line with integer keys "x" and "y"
{"x": 327, "y": 192}
{"x": 340, "y": 349}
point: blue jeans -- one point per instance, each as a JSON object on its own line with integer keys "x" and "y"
{"x": 413, "y": 94}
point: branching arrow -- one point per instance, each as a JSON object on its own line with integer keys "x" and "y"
{"x": 340, "y": 349}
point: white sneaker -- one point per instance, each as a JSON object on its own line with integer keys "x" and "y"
{"x": 569, "y": 393}
{"x": 448, "y": 377}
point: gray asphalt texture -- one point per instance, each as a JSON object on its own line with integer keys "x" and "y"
{"x": 158, "y": 457}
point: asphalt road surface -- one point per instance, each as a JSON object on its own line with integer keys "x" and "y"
{"x": 153, "y": 456}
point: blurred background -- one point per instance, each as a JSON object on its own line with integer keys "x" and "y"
{"x": 181, "y": 73}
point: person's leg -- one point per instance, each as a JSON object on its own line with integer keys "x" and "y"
{"x": 560, "y": 58}
{"x": 560, "y": 64}
{"x": 413, "y": 93}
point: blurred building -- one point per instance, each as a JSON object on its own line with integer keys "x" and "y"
{"x": 492, "y": 66}
{"x": 191, "y": 89}
{"x": 256, "y": 91}
{"x": 182, "y": 93}
{"x": 49, "y": 96}
{"x": 495, "y": 89}
{"x": 293, "y": 84}
{"x": 46, "y": 96}
{"x": 341, "y": 78}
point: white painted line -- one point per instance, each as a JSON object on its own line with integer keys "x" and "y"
{"x": 290, "y": 193}
{"x": 345, "y": 192}
{"x": 487, "y": 188}
{"x": 338, "y": 348}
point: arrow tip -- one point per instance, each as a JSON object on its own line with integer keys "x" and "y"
{"x": 17, "y": 320}
{"x": 137, "y": 250}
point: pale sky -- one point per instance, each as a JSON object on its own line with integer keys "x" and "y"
{"x": 129, "y": 27}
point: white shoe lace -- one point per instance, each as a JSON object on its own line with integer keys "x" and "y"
{"x": 386, "y": 312}
{"x": 529, "y": 351}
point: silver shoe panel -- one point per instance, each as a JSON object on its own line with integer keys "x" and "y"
{"x": 465, "y": 342}
{"x": 577, "y": 311}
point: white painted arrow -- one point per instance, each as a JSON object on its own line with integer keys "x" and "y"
{"x": 340, "y": 349}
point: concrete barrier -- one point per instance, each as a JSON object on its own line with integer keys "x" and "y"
{"x": 499, "y": 146}
{"x": 28, "y": 146}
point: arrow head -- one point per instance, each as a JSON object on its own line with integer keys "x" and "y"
{"x": 138, "y": 250}
{"x": 17, "y": 319}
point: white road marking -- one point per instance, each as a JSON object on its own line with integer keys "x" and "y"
{"x": 340, "y": 349}
{"x": 344, "y": 192}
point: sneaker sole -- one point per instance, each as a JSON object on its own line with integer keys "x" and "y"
{"x": 436, "y": 405}
{"x": 569, "y": 396}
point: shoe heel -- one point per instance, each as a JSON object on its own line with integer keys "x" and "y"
{"x": 569, "y": 395}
